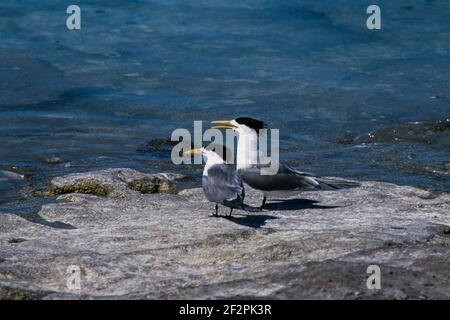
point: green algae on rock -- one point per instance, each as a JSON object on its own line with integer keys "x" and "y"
{"x": 16, "y": 295}
{"x": 16, "y": 240}
{"x": 151, "y": 185}
{"x": 116, "y": 183}
{"x": 445, "y": 230}
{"x": 83, "y": 186}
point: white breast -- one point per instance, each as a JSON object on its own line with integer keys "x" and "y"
{"x": 247, "y": 149}
{"x": 211, "y": 159}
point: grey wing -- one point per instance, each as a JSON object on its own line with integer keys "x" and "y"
{"x": 288, "y": 178}
{"x": 312, "y": 182}
{"x": 285, "y": 179}
{"x": 324, "y": 183}
{"x": 223, "y": 185}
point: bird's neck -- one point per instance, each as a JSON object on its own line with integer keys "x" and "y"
{"x": 211, "y": 160}
{"x": 247, "y": 150}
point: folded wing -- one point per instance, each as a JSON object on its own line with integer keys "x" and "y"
{"x": 291, "y": 179}
{"x": 223, "y": 185}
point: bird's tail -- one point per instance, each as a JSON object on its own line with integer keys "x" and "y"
{"x": 334, "y": 184}
{"x": 250, "y": 208}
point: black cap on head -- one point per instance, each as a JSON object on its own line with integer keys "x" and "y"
{"x": 251, "y": 123}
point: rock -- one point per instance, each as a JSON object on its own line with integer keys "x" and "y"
{"x": 53, "y": 160}
{"x": 9, "y": 175}
{"x": 134, "y": 245}
{"x": 150, "y": 185}
{"x": 118, "y": 182}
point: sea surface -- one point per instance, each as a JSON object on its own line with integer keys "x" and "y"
{"x": 350, "y": 102}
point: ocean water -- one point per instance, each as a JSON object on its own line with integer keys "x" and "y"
{"x": 351, "y": 102}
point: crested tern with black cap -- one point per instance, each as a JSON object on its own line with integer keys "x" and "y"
{"x": 286, "y": 181}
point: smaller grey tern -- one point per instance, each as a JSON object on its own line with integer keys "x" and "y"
{"x": 220, "y": 182}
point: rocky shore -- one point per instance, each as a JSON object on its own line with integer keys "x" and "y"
{"x": 137, "y": 236}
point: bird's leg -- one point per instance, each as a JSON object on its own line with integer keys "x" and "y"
{"x": 216, "y": 211}
{"x": 263, "y": 203}
{"x": 231, "y": 211}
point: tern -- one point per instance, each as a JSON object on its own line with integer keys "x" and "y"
{"x": 286, "y": 181}
{"x": 220, "y": 182}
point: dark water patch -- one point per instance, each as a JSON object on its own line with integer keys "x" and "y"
{"x": 157, "y": 145}
{"x": 417, "y": 152}
{"x": 428, "y": 132}
{"x": 15, "y": 182}
{"x": 438, "y": 171}
{"x": 96, "y": 98}
{"x": 25, "y": 79}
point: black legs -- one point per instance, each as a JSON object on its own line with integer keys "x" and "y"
{"x": 216, "y": 212}
{"x": 263, "y": 203}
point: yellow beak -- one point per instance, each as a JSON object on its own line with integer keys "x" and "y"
{"x": 223, "y": 124}
{"x": 194, "y": 151}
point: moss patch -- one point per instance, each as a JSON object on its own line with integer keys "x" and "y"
{"x": 16, "y": 240}
{"x": 151, "y": 185}
{"x": 86, "y": 186}
{"x": 19, "y": 294}
{"x": 16, "y": 295}
{"x": 445, "y": 230}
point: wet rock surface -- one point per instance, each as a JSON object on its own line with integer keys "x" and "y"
{"x": 10, "y": 175}
{"x": 136, "y": 245}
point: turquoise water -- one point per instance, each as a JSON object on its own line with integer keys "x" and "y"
{"x": 88, "y": 99}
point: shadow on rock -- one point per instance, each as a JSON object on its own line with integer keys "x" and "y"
{"x": 34, "y": 217}
{"x": 295, "y": 204}
{"x": 252, "y": 221}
